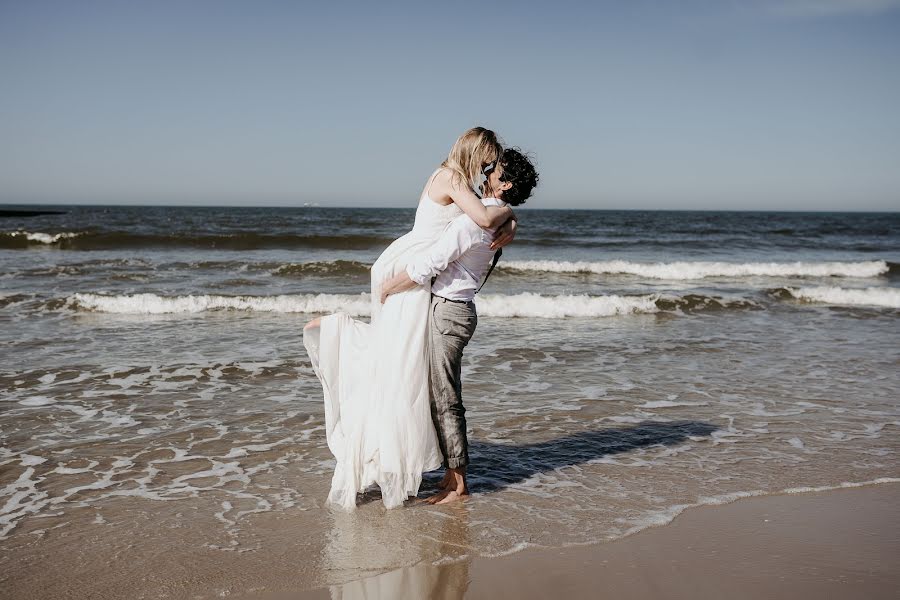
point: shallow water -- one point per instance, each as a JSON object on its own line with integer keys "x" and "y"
{"x": 155, "y": 379}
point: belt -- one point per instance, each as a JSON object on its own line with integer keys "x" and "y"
{"x": 454, "y": 301}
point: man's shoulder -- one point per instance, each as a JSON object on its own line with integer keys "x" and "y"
{"x": 463, "y": 221}
{"x": 465, "y": 225}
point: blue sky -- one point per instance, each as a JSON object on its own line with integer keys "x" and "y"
{"x": 743, "y": 104}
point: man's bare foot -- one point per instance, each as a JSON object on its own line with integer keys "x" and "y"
{"x": 448, "y": 496}
{"x": 453, "y": 487}
{"x": 454, "y": 496}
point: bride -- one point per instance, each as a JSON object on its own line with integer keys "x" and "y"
{"x": 375, "y": 375}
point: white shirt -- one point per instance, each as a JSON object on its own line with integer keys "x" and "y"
{"x": 459, "y": 258}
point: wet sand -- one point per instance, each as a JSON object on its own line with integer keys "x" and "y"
{"x": 843, "y": 543}
{"x": 836, "y": 544}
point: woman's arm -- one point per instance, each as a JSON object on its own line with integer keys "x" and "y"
{"x": 505, "y": 234}
{"x": 486, "y": 217}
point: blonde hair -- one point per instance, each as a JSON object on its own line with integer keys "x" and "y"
{"x": 472, "y": 149}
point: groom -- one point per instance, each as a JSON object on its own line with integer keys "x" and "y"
{"x": 457, "y": 262}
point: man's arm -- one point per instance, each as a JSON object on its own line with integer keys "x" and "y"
{"x": 400, "y": 282}
{"x": 460, "y": 235}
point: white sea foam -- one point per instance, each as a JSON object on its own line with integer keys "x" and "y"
{"x": 670, "y": 404}
{"x": 22, "y": 497}
{"x": 36, "y": 401}
{"x": 43, "y": 238}
{"x": 872, "y": 296}
{"x": 519, "y": 305}
{"x": 702, "y": 269}
{"x": 556, "y": 307}
{"x": 357, "y": 305}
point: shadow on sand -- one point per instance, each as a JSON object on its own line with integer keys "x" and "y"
{"x": 494, "y": 467}
{"x": 497, "y": 466}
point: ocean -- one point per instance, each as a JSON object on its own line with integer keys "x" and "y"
{"x": 626, "y": 365}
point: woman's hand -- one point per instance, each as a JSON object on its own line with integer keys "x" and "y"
{"x": 505, "y": 234}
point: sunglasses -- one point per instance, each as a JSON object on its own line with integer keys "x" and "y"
{"x": 488, "y": 168}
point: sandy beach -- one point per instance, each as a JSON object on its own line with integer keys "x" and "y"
{"x": 839, "y": 543}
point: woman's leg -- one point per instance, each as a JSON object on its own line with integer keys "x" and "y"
{"x": 311, "y": 333}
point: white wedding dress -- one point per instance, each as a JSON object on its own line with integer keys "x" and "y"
{"x": 375, "y": 378}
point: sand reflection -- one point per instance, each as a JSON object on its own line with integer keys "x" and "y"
{"x": 381, "y": 543}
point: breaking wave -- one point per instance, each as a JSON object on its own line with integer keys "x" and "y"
{"x": 557, "y": 307}
{"x": 491, "y": 305}
{"x": 357, "y": 305}
{"x": 224, "y": 241}
{"x": 700, "y": 270}
{"x": 872, "y": 296}
{"x": 21, "y": 239}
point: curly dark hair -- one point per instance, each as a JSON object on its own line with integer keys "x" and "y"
{"x": 517, "y": 170}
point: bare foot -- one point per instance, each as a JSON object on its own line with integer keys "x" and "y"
{"x": 454, "y": 496}
{"x": 448, "y": 496}
{"x": 434, "y": 498}
{"x": 453, "y": 487}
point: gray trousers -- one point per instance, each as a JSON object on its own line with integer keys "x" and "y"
{"x": 451, "y": 325}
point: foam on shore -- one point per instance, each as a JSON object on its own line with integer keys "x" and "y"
{"x": 702, "y": 269}
{"x": 872, "y": 296}
{"x": 493, "y": 305}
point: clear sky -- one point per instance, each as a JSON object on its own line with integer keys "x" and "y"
{"x": 740, "y": 104}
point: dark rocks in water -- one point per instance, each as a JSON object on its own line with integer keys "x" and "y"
{"x": 28, "y": 213}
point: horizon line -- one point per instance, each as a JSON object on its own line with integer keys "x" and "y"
{"x": 732, "y": 210}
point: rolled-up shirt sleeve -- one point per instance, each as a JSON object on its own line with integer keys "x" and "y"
{"x": 461, "y": 234}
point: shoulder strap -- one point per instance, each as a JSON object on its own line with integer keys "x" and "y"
{"x": 430, "y": 181}
{"x": 497, "y": 255}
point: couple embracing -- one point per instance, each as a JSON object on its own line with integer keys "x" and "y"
{"x": 392, "y": 387}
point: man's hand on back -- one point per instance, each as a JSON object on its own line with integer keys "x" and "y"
{"x": 396, "y": 284}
